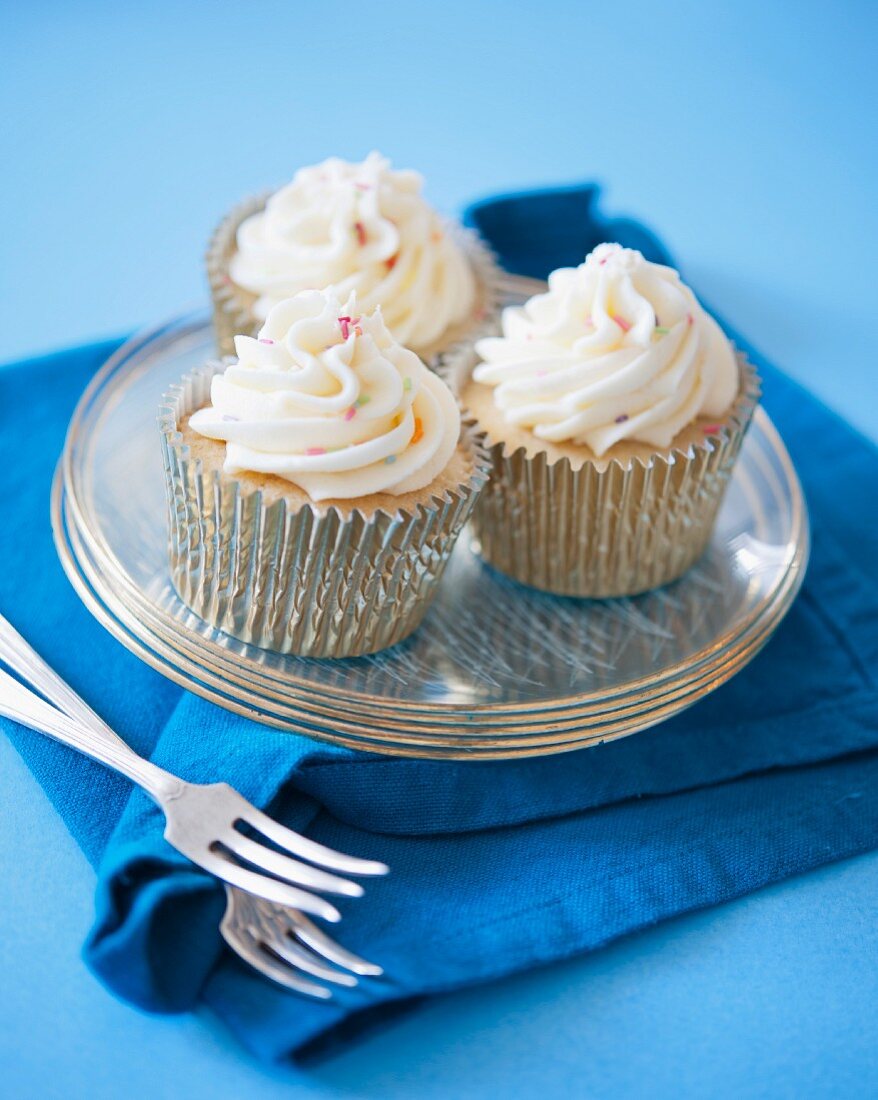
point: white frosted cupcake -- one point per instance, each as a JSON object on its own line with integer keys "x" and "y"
{"x": 318, "y": 484}
{"x": 358, "y": 228}
{"x": 614, "y": 408}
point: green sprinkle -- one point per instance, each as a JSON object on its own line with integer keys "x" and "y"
{"x": 361, "y": 401}
{"x": 407, "y": 385}
{"x": 661, "y": 330}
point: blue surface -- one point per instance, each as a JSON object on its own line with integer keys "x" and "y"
{"x": 719, "y": 129}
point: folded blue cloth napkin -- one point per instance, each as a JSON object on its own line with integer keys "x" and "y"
{"x": 496, "y": 866}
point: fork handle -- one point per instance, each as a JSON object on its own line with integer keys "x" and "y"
{"x": 23, "y": 705}
{"x": 23, "y": 659}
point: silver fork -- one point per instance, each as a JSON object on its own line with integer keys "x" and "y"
{"x": 201, "y": 819}
{"x": 279, "y": 942}
{"x": 282, "y": 944}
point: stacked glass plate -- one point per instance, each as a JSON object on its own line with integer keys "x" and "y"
{"x": 496, "y": 670}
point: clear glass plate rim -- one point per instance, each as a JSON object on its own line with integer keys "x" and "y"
{"x": 458, "y": 746}
{"x": 575, "y": 711}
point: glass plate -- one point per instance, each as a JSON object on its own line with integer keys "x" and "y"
{"x": 411, "y": 740}
{"x": 495, "y": 669}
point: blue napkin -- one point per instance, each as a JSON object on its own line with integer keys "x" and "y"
{"x": 496, "y": 866}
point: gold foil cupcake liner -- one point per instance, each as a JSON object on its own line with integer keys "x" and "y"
{"x": 313, "y": 582}
{"x": 619, "y": 530}
{"x": 233, "y": 307}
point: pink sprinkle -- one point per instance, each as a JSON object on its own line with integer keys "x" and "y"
{"x": 361, "y": 233}
{"x": 316, "y": 451}
{"x": 588, "y": 321}
{"x": 542, "y": 373}
{"x": 689, "y": 318}
{"x": 711, "y": 429}
{"x": 262, "y": 340}
{"x": 603, "y": 261}
{"x": 363, "y": 186}
{"x": 348, "y": 323}
{"x": 351, "y": 413}
{"x": 621, "y": 322}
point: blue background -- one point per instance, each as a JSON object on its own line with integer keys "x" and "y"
{"x": 742, "y": 133}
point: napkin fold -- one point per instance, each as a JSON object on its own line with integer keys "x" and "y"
{"x": 496, "y": 866}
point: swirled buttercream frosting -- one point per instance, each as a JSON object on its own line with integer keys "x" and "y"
{"x": 364, "y": 229}
{"x": 618, "y": 349}
{"x": 326, "y": 398}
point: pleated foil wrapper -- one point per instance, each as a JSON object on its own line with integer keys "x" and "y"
{"x": 313, "y": 582}
{"x": 233, "y": 316}
{"x": 617, "y": 531}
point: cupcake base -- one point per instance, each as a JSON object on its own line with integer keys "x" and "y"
{"x": 560, "y": 519}
{"x": 211, "y": 454}
{"x": 254, "y": 557}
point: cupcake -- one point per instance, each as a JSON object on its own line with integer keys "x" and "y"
{"x": 613, "y": 408}
{"x": 358, "y": 228}
{"x": 317, "y": 484}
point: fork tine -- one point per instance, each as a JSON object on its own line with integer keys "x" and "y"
{"x": 265, "y": 962}
{"x": 250, "y": 948}
{"x": 302, "y": 874}
{"x": 282, "y": 893}
{"x": 279, "y": 972}
{"x": 308, "y": 932}
{"x": 254, "y": 917}
{"x": 310, "y": 849}
{"x": 302, "y": 958}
